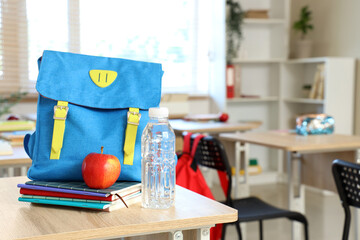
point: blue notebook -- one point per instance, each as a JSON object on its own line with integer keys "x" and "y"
{"x": 92, "y": 205}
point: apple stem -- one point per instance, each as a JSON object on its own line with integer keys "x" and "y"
{"x": 102, "y": 149}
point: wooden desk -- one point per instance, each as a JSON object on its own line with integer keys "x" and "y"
{"x": 213, "y": 128}
{"x": 180, "y": 126}
{"x": 18, "y": 159}
{"x": 191, "y": 216}
{"x": 296, "y": 147}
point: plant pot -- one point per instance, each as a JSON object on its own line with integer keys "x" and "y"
{"x": 304, "y": 48}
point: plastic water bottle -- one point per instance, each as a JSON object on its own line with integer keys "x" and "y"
{"x": 158, "y": 161}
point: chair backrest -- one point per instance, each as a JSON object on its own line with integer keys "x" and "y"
{"x": 347, "y": 180}
{"x": 211, "y": 153}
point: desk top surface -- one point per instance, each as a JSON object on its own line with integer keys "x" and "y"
{"x": 19, "y": 156}
{"x": 293, "y": 142}
{"x": 180, "y": 125}
{"x": 32, "y": 221}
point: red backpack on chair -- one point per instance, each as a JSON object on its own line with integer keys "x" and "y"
{"x": 189, "y": 176}
{"x": 186, "y": 175}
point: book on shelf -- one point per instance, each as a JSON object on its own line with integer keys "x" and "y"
{"x": 317, "y": 88}
{"x": 257, "y": 13}
{"x": 16, "y": 125}
{"x": 78, "y": 194}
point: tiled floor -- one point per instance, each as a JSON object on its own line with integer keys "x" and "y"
{"x": 323, "y": 211}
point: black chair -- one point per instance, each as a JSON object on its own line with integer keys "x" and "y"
{"x": 211, "y": 153}
{"x": 347, "y": 180}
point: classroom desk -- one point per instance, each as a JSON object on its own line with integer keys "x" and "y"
{"x": 180, "y": 126}
{"x": 295, "y": 147}
{"x": 207, "y": 127}
{"x": 189, "y": 218}
{"x": 19, "y": 158}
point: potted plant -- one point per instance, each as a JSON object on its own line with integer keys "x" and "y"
{"x": 303, "y": 26}
{"x": 234, "y": 20}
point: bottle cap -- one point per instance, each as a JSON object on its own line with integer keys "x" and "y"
{"x": 160, "y": 112}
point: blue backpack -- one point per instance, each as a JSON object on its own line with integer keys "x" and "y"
{"x": 86, "y": 102}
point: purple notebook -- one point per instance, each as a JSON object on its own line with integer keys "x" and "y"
{"x": 64, "y": 190}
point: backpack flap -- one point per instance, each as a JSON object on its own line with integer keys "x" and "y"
{"x": 87, "y": 102}
{"x": 76, "y": 78}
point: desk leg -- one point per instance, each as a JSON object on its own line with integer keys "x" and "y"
{"x": 296, "y": 199}
{"x": 203, "y": 234}
{"x": 241, "y": 158}
{"x": 242, "y": 189}
{"x": 178, "y": 235}
{"x": 23, "y": 170}
{"x": 10, "y": 172}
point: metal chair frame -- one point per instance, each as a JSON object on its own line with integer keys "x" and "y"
{"x": 347, "y": 180}
{"x": 211, "y": 153}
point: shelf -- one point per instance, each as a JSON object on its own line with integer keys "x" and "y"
{"x": 264, "y": 21}
{"x": 254, "y": 61}
{"x": 304, "y": 100}
{"x": 245, "y": 100}
{"x": 307, "y": 60}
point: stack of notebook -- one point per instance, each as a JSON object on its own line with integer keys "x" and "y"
{"x": 15, "y": 138}
{"x": 77, "y": 194}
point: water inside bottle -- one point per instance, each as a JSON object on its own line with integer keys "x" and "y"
{"x": 158, "y": 165}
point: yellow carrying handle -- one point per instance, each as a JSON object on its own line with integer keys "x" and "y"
{"x": 133, "y": 119}
{"x": 60, "y": 114}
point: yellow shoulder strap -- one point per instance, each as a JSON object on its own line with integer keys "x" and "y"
{"x": 60, "y": 113}
{"x": 133, "y": 119}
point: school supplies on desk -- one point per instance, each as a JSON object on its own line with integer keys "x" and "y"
{"x": 109, "y": 198}
{"x": 5, "y": 148}
{"x": 77, "y": 194}
{"x": 16, "y": 138}
{"x": 83, "y": 203}
{"x": 118, "y": 187}
{"x": 16, "y": 125}
{"x": 86, "y": 102}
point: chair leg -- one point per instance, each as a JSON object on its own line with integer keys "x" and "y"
{"x": 223, "y": 231}
{"x": 306, "y": 231}
{"x": 346, "y": 223}
{"x": 261, "y": 229}
{"x": 238, "y": 229}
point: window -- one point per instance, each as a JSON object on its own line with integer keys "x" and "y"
{"x": 172, "y": 32}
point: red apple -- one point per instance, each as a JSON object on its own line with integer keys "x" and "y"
{"x": 224, "y": 117}
{"x": 100, "y": 170}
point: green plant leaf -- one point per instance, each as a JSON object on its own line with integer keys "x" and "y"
{"x": 303, "y": 25}
{"x": 234, "y": 21}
